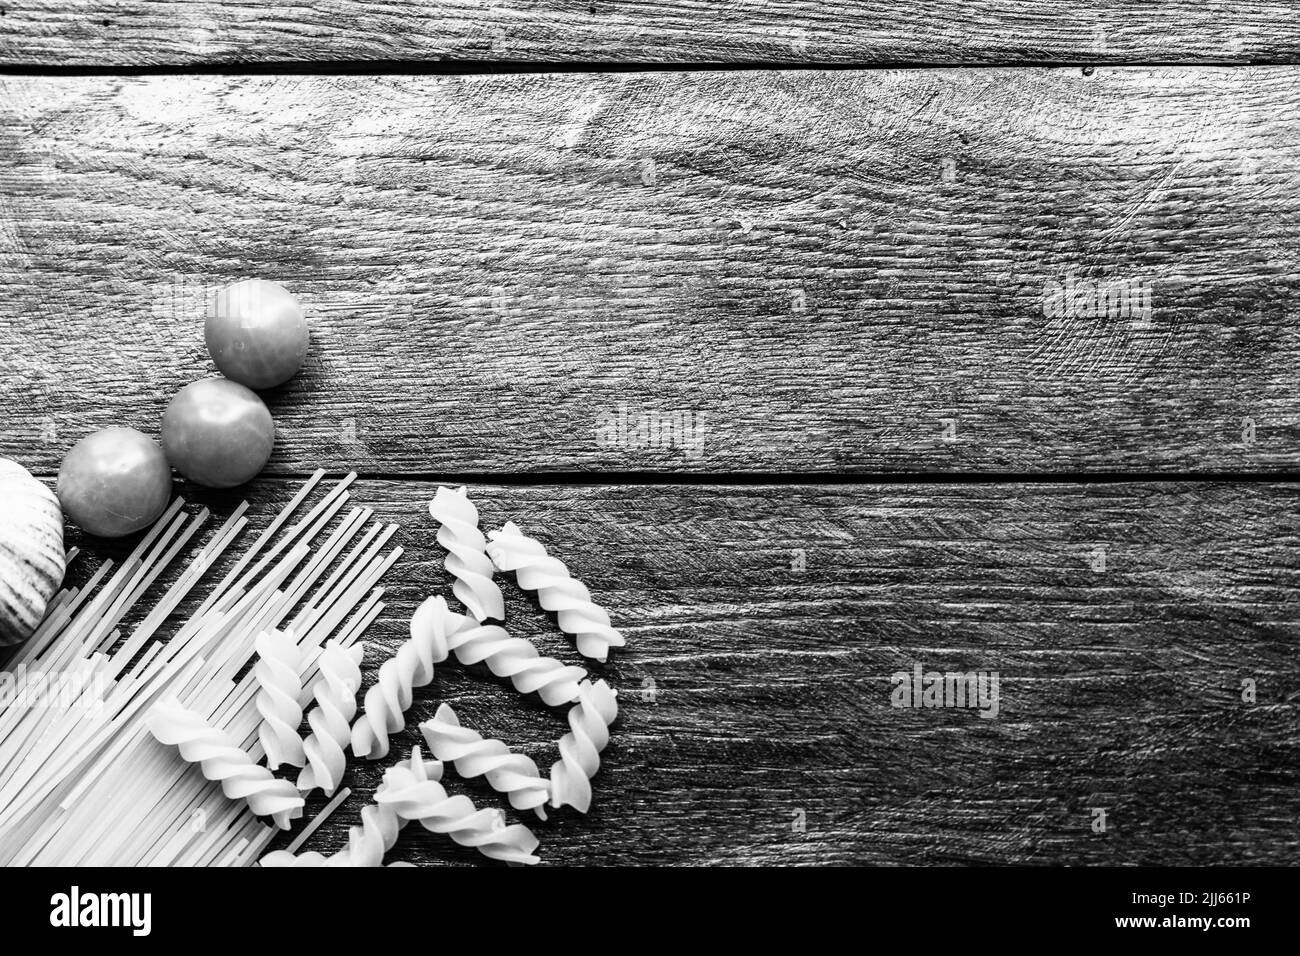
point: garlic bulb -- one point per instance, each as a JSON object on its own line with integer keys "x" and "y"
{"x": 31, "y": 551}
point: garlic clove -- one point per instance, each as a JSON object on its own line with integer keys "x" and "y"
{"x": 31, "y": 551}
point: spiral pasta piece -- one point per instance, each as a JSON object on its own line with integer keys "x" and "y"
{"x": 367, "y": 844}
{"x": 336, "y": 704}
{"x": 413, "y": 792}
{"x": 513, "y": 774}
{"x": 557, "y": 590}
{"x": 283, "y": 859}
{"x": 518, "y": 660}
{"x": 221, "y": 759}
{"x": 276, "y": 671}
{"x": 389, "y": 699}
{"x": 580, "y": 748}
{"x": 466, "y": 558}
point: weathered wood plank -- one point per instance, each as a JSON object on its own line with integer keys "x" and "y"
{"x": 820, "y": 271}
{"x": 144, "y": 32}
{"x": 1120, "y": 688}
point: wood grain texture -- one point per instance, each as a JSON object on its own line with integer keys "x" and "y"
{"x": 145, "y": 32}
{"x": 821, "y": 269}
{"x": 1120, "y": 689}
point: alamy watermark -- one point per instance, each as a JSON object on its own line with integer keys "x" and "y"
{"x": 58, "y": 690}
{"x": 75, "y": 908}
{"x": 636, "y": 429}
{"x": 977, "y": 690}
{"x": 1122, "y": 299}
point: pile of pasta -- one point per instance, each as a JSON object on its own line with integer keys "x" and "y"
{"x": 412, "y": 791}
{"x": 82, "y": 779}
{"x": 165, "y": 752}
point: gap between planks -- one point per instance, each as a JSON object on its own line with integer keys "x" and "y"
{"x": 761, "y": 479}
{"x": 520, "y": 67}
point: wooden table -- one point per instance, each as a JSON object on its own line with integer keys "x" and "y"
{"x": 987, "y": 333}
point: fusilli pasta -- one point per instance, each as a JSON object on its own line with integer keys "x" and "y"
{"x": 580, "y": 748}
{"x": 279, "y": 687}
{"x": 336, "y": 704}
{"x": 367, "y": 844}
{"x": 466, "y": 558}
{"x": 221, "y": 759}
{"x": 508, "y": 773}
{"x": 283, "y": 859}
{"x": 557, "y": 590}
{"x": 413, "y": 792}
{"x": 388, "y": 700}
{"x": 518, "y": 660}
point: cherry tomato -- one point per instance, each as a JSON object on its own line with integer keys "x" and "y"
{"x": 217, "y": 433}
{"x": 114, "y": 482}
{"x": 256, "y": 333}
